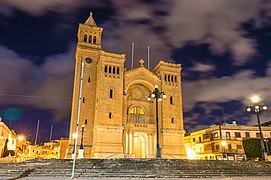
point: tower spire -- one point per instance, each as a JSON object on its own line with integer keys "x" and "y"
{"x": 90, "y": 21}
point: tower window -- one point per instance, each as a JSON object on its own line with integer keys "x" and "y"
{"x": 118, "y": 70}
{"x": 168, "y": 78}
{"x": 85, "y": 38}
{"x": 94, "y": 40}
{"x": 88, "y": 79}
{"x": 86, "y": 121}
{"x": 165, "y": 77}
{"x": 110, "y": 115}
{"x": 111, "y": 93}
{"x": 105, "y": 69}
{"x": 84, "y": 99}
{"x": 171, "y": 100}
{"x": 114, "y": 70}
{"x": 172, "y": 79}
{"x": 109, "y": 69}
{"x": 89, "y": 39}
{"x": 172, "y": 120}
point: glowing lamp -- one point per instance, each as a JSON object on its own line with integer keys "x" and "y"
{"x": 255, "y": 99}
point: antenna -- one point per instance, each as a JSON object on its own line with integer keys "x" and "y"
{"x": 148, "y": 57}
{"x": 51, "y": 132}
{"x": 37, "y": 132}
{"x": 133, "y": 49}
{"x": 225, "y": 121}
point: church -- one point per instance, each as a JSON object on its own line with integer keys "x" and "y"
{"x": 116, "y": 111}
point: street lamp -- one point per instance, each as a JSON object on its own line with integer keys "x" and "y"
{"x": 224, "y": 144}
{"x": 257, "y": 107}
{"x": 82, "y": 137}
{"x": 158, "y": 96}
{"x": 74, "y": 136}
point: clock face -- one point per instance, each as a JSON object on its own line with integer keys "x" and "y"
{"x": 88, "y": 60}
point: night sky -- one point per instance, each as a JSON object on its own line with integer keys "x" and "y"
{"x": 224, "y": 47}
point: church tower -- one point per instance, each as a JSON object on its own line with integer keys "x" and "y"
{"x": 100, "y": 75}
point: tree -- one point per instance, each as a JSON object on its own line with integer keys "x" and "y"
{"x": 252, "y": 148}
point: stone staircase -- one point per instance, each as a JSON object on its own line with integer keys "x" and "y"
{"x": 135, "y": 168}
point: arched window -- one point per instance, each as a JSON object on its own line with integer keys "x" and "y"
{"x": 111, "y": 93}
{"x": 137, "y": 115}
{"x": 172, "y": 79}
{"x": 94, "y": 40}
{"x": 172, "y": 120}
{"x": 84, "y": 99}
{"x": 109, "y": 69}
{"x": 89, "y": 39}
{"x": 171, "y": 100}
{"x": 88, "y": 79}
{"x": 110, "y": 115}
{"x": 85, "y": 38}
{"x": 118, "y": 70}
{"x": 168, "y": 78}
{"x": 86, "y": 121}
{"x": 105, "y": 69}
{"x": 165, "y": 77}
{"x": 114, "y": 70}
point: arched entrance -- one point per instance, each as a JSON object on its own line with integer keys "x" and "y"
{"x": 140, "y": 145}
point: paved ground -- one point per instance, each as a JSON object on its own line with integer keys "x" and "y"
{"x": 219, "y": 178}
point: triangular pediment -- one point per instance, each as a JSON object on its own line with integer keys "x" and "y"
{"x": 90, "y": 21}
{"x": 140, "y": 73}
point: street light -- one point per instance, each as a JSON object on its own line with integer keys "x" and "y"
{"x": 158, "y": 96}
{"x": 224, "y": 144}
{"x": 82, "y": 137}
{"x": 257, "y": 107}
{"x": 74, "y": 136}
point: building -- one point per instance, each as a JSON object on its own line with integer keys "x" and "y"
{"x": 55, "y": 149}
{"x": 221, "y": 141}
{"x": 116, "y": 118}
{"x": 8, "y": 138}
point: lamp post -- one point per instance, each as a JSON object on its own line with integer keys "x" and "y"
{"x": 224, "y": 144}
{"x": 257, "y": 107}
{"x": 157, "y": 95}
{"x": 74, "y": 136}
{"x": 82, "y": 137}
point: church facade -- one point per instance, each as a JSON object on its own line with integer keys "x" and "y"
{"x": 110, "y": 104}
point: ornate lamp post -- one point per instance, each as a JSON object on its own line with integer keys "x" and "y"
{"x": 158, "y": 96}
{"x": 257, "y": 107}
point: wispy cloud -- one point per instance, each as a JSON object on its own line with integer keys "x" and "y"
{"x": 53, "y": 80}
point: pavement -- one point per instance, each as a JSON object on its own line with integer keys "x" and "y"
{"x": 219, "y": 178}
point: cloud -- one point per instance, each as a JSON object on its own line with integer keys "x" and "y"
{"x": 171, "y": 24}
{"x": 51, "y": 83}
{"x": 238, "y": 87}
{"x": 200, "y": 67}
{"x": 39, "y": 7}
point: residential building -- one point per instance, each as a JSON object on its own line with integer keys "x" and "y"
{"x": 221, "y": 141}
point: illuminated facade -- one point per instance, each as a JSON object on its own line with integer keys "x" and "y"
{"x": 118, "y": 120}
{"x": 218, "y": 140}
{"x": 55, "y": 149}
{"x": 7, "y": 135}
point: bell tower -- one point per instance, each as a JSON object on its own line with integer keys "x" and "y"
{"x": 87, "y": 55}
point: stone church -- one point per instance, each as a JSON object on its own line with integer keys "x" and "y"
{"x": 116, "y": 120}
